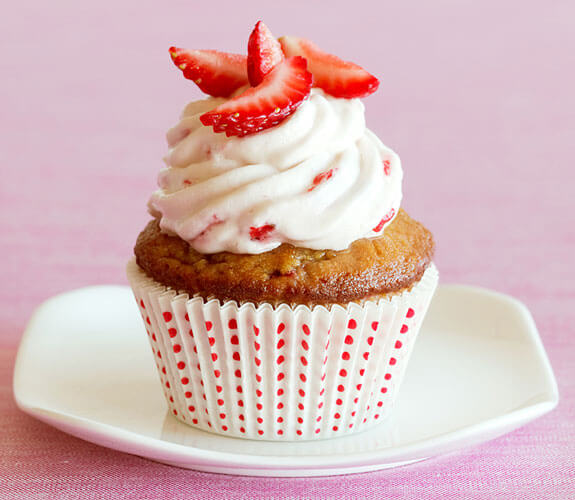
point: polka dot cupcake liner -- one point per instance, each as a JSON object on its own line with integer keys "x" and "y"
{"x": 280, "y": 373}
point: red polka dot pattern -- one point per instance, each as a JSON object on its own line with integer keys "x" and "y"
{"x": 333, "y": 387}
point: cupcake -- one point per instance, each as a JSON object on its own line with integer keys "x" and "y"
{"x": 281, "y": 285}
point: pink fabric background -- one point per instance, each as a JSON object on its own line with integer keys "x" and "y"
{"x": 477, "y": 97}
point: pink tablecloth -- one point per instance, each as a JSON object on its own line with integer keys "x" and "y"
{"x": 477, "y": 97}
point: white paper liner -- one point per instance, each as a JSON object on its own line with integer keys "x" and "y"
{"x": 283, "y": 373}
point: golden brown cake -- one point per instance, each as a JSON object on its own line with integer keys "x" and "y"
{"x": 287, "y": 274}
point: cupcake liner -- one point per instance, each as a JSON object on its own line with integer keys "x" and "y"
{"x": 280, "y": 373}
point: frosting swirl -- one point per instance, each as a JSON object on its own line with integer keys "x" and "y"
{"x": 318, "y": 180}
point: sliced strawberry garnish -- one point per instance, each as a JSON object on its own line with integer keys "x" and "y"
{"x": 337, "y": 77}
{"x": 280, "y": 93}
{"x": 264, "y": 52}
{"x": 216, "y": 73}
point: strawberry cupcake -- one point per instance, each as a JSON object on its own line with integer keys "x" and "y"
{"x": 281, "y": 285}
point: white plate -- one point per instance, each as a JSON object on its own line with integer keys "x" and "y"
{"x": 479, "y": 370}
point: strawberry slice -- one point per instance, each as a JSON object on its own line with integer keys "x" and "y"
{"x": 337, "y": 77}
{"x": 264, "y": 52}
{"x": 216, "y": 73}
{"x": 280, "y": 93}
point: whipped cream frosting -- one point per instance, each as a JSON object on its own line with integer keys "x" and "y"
{"x": 318, "y": 180}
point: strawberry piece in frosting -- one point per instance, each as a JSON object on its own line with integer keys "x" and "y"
{"x": 320, "y": 178}
{"x": 262, "y": 232}
{"x": 384, "y": 221}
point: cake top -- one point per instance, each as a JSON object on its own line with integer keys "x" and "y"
{"x": 278, "y": 154}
